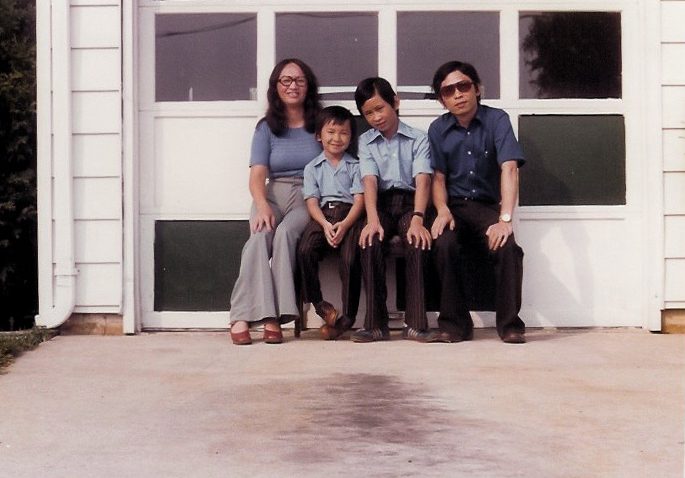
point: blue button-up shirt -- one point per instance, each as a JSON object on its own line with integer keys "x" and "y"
{"x": 327, "y": 183}
{"x": 471, "y": 157}
{"x": 395, "y": 161}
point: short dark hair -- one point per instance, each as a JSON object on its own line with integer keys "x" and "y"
{"x": 447, "y": 68}
{"x": 368, "y": 88}
{"x": 275, "y": 113}
{"x": 337, "y": 115}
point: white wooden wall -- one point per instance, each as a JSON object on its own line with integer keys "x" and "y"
{"x": 673, "y": 94}
{"x": 96, "y": 86}
{"x": 97, "y": 144}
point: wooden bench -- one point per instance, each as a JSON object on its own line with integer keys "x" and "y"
{"x": 476, "y": 275}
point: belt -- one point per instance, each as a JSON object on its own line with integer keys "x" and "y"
{"x": 334, "y": 204}
{"x": 465, "y": 198}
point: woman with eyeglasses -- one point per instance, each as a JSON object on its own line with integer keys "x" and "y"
{"x": 282, "y": 145}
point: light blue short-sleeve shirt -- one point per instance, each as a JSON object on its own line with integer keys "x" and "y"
{"x": 328, "y": 183}
{"x": 395, "y": 161}
{"x": 285, "y": 155}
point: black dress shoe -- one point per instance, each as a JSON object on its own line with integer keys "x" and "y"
{"x": 513, "y": 337}
{"x": 443, "y": 336}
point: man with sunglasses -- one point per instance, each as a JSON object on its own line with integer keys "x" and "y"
{"x": 475, "y": 157}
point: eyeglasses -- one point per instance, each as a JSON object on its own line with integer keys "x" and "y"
{"x": 463, "y": 86}
{"x": 288, "y": 80}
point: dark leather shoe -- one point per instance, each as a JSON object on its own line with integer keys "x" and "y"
{"x": 241, "y": 338}
{"x": 513, "y": 337}
{"x": 443, "y": 336}
{"x": 327, "y": 312}
{"x": 273, "y": 336}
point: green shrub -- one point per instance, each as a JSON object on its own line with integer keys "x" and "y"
{"x": 18, "y": 243}
{"x": 12, "y": 344}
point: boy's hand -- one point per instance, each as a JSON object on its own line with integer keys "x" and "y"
{"x": 329, "y": 232}
{"x": 444, "y": 219}
{"x": 370, "y": 230}
{"x": 264, "y": 220}
{"x": 417, "y": 235}
{"x": 340, "y": 229}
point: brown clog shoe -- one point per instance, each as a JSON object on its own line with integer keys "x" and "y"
{"x": 241, "y": 338}
{"x": 273, "y": 336}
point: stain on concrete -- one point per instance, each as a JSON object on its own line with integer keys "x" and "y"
{"x": 349, "y": 420}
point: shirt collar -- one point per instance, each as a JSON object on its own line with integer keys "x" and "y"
{"x": 402, "y": 128}
{"x": 322, "y": 158}
{"x": 451, "y": 120}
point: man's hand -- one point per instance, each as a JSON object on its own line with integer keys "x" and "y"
{"x": 444, "y": 219}
{"x": 498, "y": 234}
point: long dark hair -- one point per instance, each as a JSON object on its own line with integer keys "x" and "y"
{"x": 275, "y": 113}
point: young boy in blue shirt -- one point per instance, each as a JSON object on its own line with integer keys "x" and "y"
{"x": 334, "y": 197}
{"x": 394, "y": 159}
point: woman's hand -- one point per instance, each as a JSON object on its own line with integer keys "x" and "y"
{"x": 264, "y": 220}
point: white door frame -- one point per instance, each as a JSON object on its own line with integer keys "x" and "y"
{"x": 640, "y": 45}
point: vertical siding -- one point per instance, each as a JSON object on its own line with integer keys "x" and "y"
{"x": 97, "y": 145}
{"x": 673, "y": 97}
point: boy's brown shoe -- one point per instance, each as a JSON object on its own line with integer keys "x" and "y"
{"x": 327, "y": 312}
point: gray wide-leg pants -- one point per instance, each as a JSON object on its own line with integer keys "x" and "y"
{"x": 265, "y": 287}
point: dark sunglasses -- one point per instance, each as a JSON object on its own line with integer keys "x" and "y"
{"x": 463, "y": 86}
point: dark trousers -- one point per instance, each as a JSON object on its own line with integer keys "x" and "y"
{"x": 313, "y": 247}
{"x": 395, "y": 209}
{"x": 473, "y": 217}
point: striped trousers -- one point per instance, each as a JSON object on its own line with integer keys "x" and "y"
{"x": 313, "y": 247}
{"x": 395, "y": 208}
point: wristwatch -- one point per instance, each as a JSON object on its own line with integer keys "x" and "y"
{"x": 506, "y": 217}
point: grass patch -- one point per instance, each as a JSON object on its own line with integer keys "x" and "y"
{"x": 12, "y": 344}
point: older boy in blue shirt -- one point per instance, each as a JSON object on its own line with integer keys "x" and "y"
{"x": 334, "y": 197}
{"x": 395, "y": 166}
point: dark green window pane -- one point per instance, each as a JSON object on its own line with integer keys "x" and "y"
{"x": 570, "y": 54}
{"x": 197, "y": 263}
{"x": 573, "y": 160}
{"x": 426, "y": 40}
{"x": 205, "y": 57}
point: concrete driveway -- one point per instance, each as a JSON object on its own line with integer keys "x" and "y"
{"x": 573, "y": 403}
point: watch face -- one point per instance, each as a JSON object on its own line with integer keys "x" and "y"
{"x": 505, "y": 217}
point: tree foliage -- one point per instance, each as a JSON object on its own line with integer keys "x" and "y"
{"x": 18, "y": 256}
{"x": 575, "y": 54}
